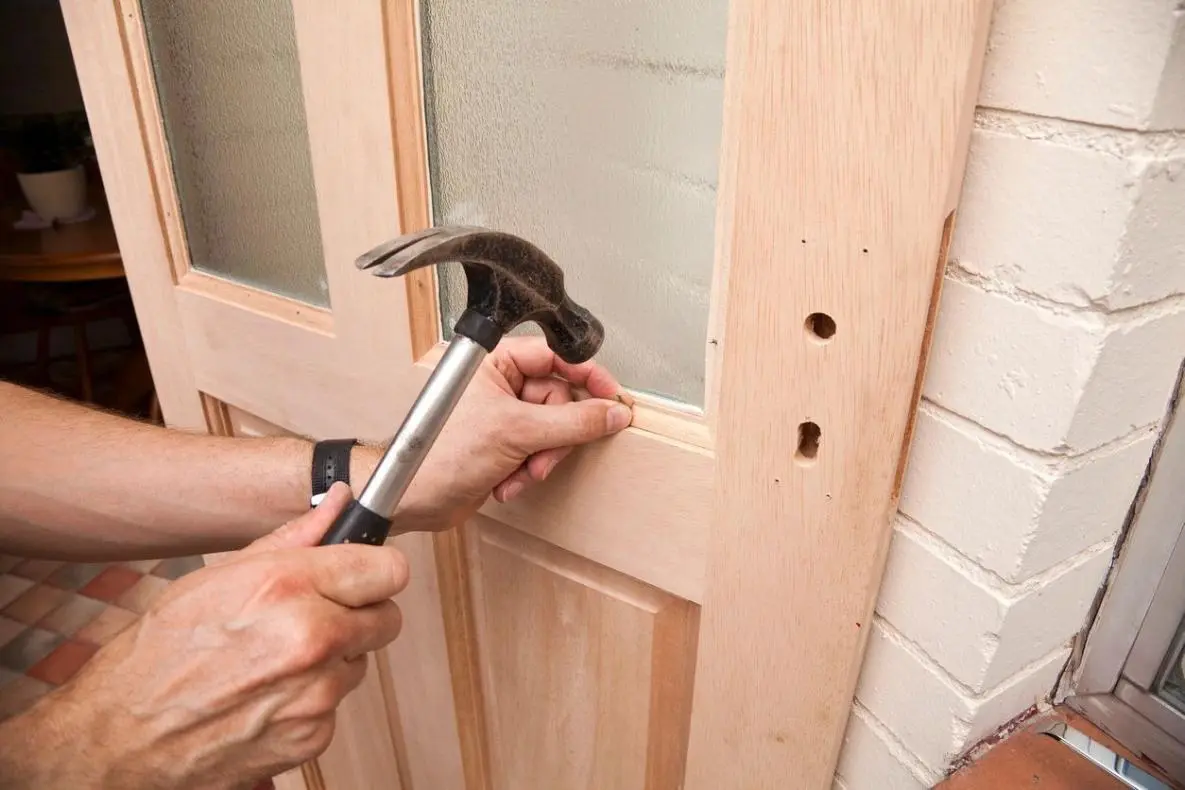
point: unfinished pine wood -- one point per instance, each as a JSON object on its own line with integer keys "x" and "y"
{"x": 845, "y": 131}
{"x": 112, "y": 107}
{"x": 587, "y": 677}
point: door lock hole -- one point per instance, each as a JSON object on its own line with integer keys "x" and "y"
{"x": 809, "y": 436}
{"x": 821, "y": 326}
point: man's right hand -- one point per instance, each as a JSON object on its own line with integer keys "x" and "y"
{"x": 233, "y": 675}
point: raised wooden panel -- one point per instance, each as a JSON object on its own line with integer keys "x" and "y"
{"x": 586, "y": 672}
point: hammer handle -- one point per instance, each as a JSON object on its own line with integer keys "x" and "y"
{"x": 368, "y": 520}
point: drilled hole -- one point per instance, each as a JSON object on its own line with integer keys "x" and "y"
{"x": 821, "y": 325}
{"x": 809, "y": 435}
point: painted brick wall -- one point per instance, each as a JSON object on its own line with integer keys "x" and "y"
{"x": 1059, "y": 338}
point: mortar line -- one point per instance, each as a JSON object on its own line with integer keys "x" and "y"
{"x": 957, "y": 271}
{"x": 902, "y": 753}
{"x": 988, "y": 579}
{"x": 919, "y": 654}
{"x": 1043, "y": 462}
{"x": 1118, "y": 141}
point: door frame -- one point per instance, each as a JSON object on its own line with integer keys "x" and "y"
{"x": 1142, "y": 606}
{"x": 833, "y": 197}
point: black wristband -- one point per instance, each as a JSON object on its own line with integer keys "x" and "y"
{"x": 331, "y": 463}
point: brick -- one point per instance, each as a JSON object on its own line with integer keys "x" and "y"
{"x": 1016, "y": 513}
{"x": 979, "y": 630}
{"x": 1132, "y": 379}
{"x": 869, "y": 761}
{"x": 1013, "y": 367}
{"x": 928, "y": 713}
{"x": 1052, "y": 381}
{"x": 1041, "y": 216}
{"x": 1113, "y": 62}
{"x": 1151, "y": 261}
{"x": 1085, "y": 504}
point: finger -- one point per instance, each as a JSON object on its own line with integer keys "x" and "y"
{"x": 353, "y": 574}
{"x": 531, "y": 358}
{"x": 546, "y": 391}
{"x": 570, "y": 424}
{"x": 322, "y": 690}
{"x": 370, "y": 628}
{"x": 309, "y": 528}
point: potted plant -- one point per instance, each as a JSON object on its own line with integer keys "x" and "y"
{"x": 50, "y": 152}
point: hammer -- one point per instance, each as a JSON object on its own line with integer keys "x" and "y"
{"x": 510, "y": 281}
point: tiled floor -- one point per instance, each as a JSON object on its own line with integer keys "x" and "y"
{"x": 54, "y": 616}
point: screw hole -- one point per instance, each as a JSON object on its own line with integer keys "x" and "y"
{"x": 821, "y": 325}
{"x": 809, "y": 435}
{"x": 864, "y": 250}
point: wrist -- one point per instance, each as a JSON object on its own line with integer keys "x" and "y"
{"x": 46, "y": 747}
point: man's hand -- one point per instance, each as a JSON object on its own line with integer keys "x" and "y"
{"x": 233, "y": 676}
{"x": 517, "y": 420}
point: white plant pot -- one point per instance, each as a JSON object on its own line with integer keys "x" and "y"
{"x": 60, "y": 194}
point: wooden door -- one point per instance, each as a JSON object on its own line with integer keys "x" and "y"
{"x": 681, "y": 605}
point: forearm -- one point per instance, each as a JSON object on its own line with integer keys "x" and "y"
{"x": 76, "y": 483}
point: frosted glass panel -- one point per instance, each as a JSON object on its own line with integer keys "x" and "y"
{"x": 229, "y": 84}
{"x": 591, "y": 129}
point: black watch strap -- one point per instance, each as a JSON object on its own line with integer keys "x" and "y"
{"x": 331, "y": 462}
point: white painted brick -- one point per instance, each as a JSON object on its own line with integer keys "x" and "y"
{"x": 1015, "y": 513}
{"x": 1085, "y": 505}
{"x": 1013, "y": 367}
{"x": 869, "y": 761}
{"x": 1132, "y": 379}
{"x": 927, "y": 712}
{"x": 1043, "y": 216}
{"x": 1169, "y": 112}
{"x": 978, "y": 629}
{"x": 1102, "y": 61}
{"x": 1052, "y": 381}
{"x": 1151, "y": 261}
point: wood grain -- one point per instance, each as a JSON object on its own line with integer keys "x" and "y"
{"x": 846, "y": 129}
{"x": 109, "y": 90}
{"x": 587, "y": 674}
{"x": 411, "y": 162}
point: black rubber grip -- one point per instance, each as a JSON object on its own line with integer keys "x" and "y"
{"x": 358, "y": 524}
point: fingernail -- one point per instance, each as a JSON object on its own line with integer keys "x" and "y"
{"x": 619, "y": 417}
{"x": 512, "y": 490}
{"x": 547, "y": 469}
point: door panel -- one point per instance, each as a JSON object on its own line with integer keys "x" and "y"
{"x": 587, "y": 672}
{"x": 556, "y": 641}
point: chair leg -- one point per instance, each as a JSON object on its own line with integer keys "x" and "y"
{"x": 83, "y": 354}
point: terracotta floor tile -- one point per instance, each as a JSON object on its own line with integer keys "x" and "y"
{"x": 11, "y": 588}
{"x": 62, "y": 664}
{"x": 20, "y": 694}
{"x": 111, "y": 583}
{"x": 10, "y": 629}
{"x": 36, "y": 570}
{"x": 8, "y": 562}
{"x": 142, "y": 594}
{"x": 141, "y": 566}
{"x": 177, "y": 567}
{"x": 29, "y": 648}
{"x": 72, "y": 615}
{"x": 73, "y": 575}
{"x": 35, "y": 603}
{"x": 106, "y": 626}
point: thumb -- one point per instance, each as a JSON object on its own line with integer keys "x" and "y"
{"x": 308, "y": 529}
{"x": 567, "y": 424}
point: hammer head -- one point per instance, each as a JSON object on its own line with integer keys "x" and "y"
{"x": 510, "y": 281}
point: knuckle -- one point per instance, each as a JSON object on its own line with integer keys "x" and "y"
{"x": 310, "y": 737}
{"x": 312, "y": 639}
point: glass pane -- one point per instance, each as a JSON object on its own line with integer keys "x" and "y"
{"x": 229, "y": 83}
{"x": 1172, "y": 688}
{"x": 591, "y": 129}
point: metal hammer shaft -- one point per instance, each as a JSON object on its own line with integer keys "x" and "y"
{"x": 368, "y": 520}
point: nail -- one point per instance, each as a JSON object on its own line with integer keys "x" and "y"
{"x": 623, "y": 397}
{"x": 512, "y": 490}
{"x": 619, "y": 416}
{"x": 547, "y": 469}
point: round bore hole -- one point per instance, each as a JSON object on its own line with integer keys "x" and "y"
{"x": 809, "y": 435}
{"x": 821, "y": 326}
